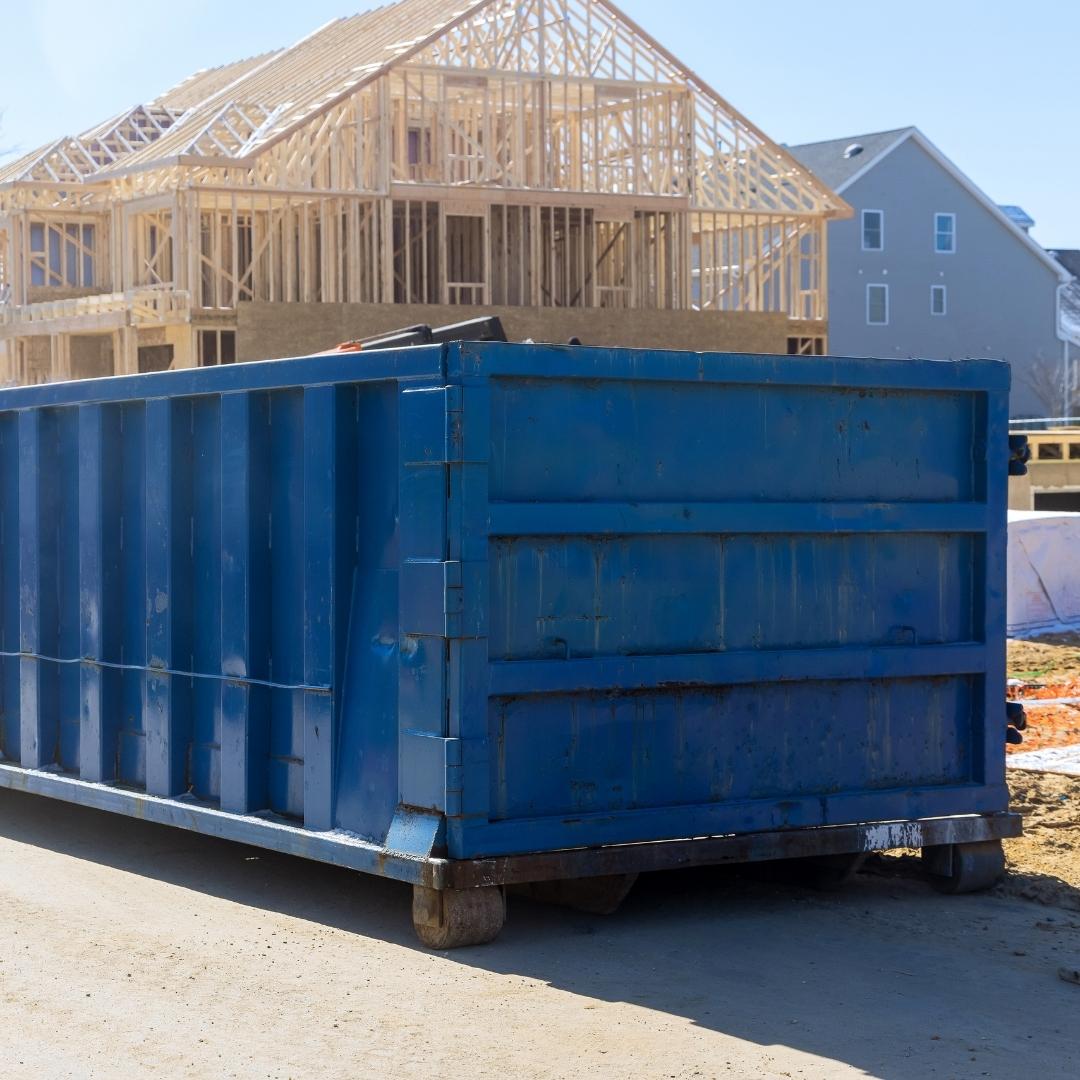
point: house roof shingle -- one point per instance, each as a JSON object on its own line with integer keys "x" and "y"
{"x": 833, "y": 160}
{"x": 834, "y": 163}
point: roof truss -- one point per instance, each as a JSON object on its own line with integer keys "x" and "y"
{"x": 739, "y": 167}
{"x": 572, "y": 38}
{"x": 280, "y": 97}
{"x": 234, "y": 130}
{"x": 78, "y": 158}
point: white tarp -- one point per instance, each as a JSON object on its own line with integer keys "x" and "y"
{"x": 1044, "y": 572}
{"x": 1059, "y": 759}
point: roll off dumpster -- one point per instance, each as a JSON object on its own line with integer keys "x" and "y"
{"x": 477, "y": 615}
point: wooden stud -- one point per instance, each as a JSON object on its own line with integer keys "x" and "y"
{"x": 602, "y": 171}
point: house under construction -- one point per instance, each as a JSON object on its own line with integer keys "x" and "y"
{"x": 544, "y": 158}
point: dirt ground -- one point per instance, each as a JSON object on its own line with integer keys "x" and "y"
{"x": 1044, "y": 864}
{"x": 1047, "y": 669}
{"x": 132, "y": 950}
{"x": 1055, "y": 655}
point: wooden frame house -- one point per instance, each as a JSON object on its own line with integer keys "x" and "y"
{"x": 542, "y": 154}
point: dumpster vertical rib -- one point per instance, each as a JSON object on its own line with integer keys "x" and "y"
{"x": 9, "y": 586}
{"x": 320, "y": 442}
{"x": 428, "y": 613}
{"x": 205, "y": 608}
{"x": 992, "y": 415}
{"x": 469, "y": 426}
{"x": 236, "y": 742}
{"x": 165, "y": 753}
{"x": 31, "y": 751}
{"x": 129, "y": 485}
{"x": 92, "y": 758}
{"x": 63, "y": 612}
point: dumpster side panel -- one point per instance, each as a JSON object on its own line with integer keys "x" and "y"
{"x": 608, "y": 596}
{"x": 199, "y": 593}
{"x": 707, "y": 442}
{"x": 602, "y": 753}
{"x": 753, "y": 597}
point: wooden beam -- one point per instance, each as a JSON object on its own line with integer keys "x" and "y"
{"x": 547, "y": 152}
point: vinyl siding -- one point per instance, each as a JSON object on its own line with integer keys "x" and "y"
{"x": 1001, "y": 297}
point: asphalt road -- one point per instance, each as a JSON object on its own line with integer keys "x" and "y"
{"x": 132, "y": 950}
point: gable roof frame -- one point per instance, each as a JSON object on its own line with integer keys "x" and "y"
{"x": 789, "y": 171}
{"x": 325, "y": 106}
{"x": 410, "y": 50}
{"x": 840, "y": 207}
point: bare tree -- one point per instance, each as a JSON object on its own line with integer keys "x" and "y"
{"x": 1045, "y": 378}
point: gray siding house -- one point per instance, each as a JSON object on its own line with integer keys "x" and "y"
{"x": 931, "y": 267}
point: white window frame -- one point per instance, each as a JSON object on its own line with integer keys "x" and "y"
{"x": 862, "y": 229}
{"x": 952, "y": 217}
{"x": 944, "y": 300}
{"x": 877, "y": 285}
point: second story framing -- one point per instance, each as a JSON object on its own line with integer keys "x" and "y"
{"x": 536, "y": 153}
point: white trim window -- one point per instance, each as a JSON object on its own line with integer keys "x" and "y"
{"x": 939, "y": 300}
{"x": 873, "y": 230}
{"x": 945, "y": 234}
{"x": 877, "y": 305}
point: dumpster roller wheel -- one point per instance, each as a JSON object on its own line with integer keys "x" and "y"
{"x": 456, "y": 918}
{"x": 965, "y": 868}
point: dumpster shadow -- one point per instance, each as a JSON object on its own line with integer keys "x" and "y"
{"x": 887, "y": 977}
{"x": 316, "y": 892}
{"x": 1045, "y": 889}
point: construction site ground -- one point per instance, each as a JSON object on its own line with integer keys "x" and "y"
{"x": 1047, "y": 669}
{"x": 129, "y": 949}
{"x": 1045, "y": 863}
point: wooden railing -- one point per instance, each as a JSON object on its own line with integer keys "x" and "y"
{"x": 1055, "y": 445}
{"x": 147, "y": 306}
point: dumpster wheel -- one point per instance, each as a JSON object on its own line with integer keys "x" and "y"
{"x": 455, "y": 918}
{"x": 965, "y": 868}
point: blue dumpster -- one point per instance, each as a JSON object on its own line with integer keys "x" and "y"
{"x": 474, "y": 615}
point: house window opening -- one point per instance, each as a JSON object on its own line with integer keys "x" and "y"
{"x": 873, "y": 230}
{"x": 945, "y": 234}
{"x": 62, "y": 255}
{"x": 877, "y": 305}
{"x": 217, "y": 347}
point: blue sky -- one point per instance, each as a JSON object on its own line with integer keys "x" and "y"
{"x": 993, "y": 84}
